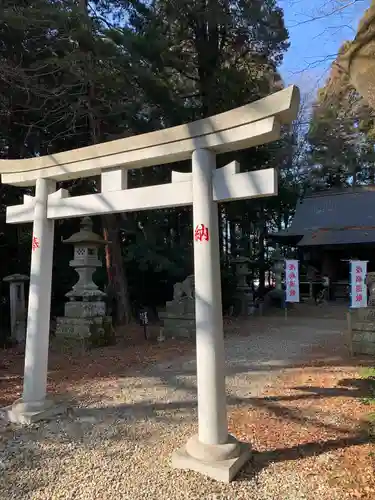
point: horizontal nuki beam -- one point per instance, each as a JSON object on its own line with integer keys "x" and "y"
{"x": 228, "y": 184}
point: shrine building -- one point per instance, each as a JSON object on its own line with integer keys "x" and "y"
{"x": 331, "y": 227}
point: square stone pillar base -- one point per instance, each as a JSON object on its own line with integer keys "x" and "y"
{"x": 29, "y": 413}
{"x": 223, "y": 470}
{"x": 362, "y": 326}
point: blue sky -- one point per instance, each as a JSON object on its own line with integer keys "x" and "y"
{"x": 316, "y": 36}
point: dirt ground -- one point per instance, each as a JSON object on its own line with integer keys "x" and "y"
{"x": 293, "y": 394}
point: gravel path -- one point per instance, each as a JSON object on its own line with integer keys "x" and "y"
{"x": 118, "y": 443}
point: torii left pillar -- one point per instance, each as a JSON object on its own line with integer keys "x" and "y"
{"x": 33, "y": 405}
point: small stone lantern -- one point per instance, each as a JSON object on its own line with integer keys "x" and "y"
{"x": 85, "y": 312}
{"x": 243, "y": 290}
{"x": 17, "y": 306}
{"x": 242, "y": 272}
{"x": 278, "y": 268}
{"x": 276, "y": 297}
{"x": 370, "y": 283}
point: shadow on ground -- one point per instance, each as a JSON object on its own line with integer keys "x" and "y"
{"x": 261, "y": 460}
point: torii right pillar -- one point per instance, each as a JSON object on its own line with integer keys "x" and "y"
{"x": 213, "y": 451}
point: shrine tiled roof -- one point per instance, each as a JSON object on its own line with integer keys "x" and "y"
{"x": 334, "y": 218}
{"x": 341, "y": 237}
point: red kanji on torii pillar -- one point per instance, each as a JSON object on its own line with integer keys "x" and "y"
{"x": 201, "y": 233}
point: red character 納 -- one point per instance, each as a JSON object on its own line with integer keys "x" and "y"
{"x": 35, "y": 243}
{"x": 201, "y": 233}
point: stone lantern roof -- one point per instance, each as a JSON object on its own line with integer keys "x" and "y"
{"x": 86, "y": 236}
{"x": 14, "y": 278}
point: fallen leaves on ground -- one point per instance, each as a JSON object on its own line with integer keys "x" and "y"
{"x": 78, "y": 373}
{"x": 309, "y": 423}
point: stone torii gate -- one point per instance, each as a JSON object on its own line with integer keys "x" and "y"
{"x": 212, "y": 452}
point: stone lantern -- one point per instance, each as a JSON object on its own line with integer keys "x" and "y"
{"x": 370, "y": 282}
{"x": 278, "y": 268}
{"x": 276, "y": 297}
{"x": 17, "y": 306}
{"x": 243, "y": 290}
{"x": 85, "y": 312}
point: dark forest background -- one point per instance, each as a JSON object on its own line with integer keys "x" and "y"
{"x": 75, "y": 73}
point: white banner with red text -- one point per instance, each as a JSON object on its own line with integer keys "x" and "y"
{"x": 358, "y": 287}
{"x": 291, "y": 280}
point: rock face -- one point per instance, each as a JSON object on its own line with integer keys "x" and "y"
{"x": 359, "y": 59}
{"x": 363, "y": 323}
{"x": 359, "y": 62}
{"x": 179, "y": 315}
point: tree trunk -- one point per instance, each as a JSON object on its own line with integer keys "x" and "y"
{"x": 117, "y": 282}
{"x": 206, "y": 40}
{"x": 261, "y": 253}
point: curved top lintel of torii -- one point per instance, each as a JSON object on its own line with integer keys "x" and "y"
{"x": 240, "y": 128}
